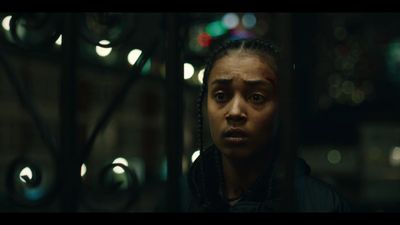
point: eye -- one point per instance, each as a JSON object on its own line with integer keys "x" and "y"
{"x": 257, "y": 98}
{"x": 220, "y": 96}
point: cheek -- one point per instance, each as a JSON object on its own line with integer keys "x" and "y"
{"x": 264, "y": 120}
{"x": 214, "y": 118}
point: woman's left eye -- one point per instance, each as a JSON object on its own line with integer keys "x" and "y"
{"x": 257, "y": 98}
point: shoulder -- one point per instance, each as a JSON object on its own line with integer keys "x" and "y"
{"x": 314, "y": 195}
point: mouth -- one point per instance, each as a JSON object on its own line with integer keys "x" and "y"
{"x": 235, "y": 136}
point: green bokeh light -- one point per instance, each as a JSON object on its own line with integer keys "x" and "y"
{"x": 146, "y": 68}
{"x": 216, "y": 28}
{"x": 393, "y": 60}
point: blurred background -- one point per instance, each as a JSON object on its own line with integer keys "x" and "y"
{"x": 98, "y": 110}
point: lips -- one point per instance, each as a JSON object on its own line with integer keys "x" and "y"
{"x": 235, "y": 136}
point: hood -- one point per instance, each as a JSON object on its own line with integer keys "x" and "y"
{"x": 301, "y": 168}
{"x": 205, "y": 187}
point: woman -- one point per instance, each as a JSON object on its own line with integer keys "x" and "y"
{"x": 238, "y": 173}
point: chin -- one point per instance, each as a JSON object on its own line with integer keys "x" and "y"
{"x": 245, "y": 151}
{"x": 236, "y": 152}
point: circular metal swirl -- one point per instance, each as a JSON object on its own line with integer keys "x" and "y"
{"x": 26, "y": 184}
{"x": 116, "y": 28}
{"x": 35, "y": 30}
{"x": 116, "y": 188}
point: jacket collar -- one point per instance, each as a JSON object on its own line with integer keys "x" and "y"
{"x": 264, "y": 195}
{"x": 206, "y": 187}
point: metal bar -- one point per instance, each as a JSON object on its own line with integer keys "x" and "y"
{"x": 174, "y": 115}
{"x": 27, "y": 102}
{"x": 69, "y": 161}
{"x": 287, "y": 132}
{"x": 118, "y": 98}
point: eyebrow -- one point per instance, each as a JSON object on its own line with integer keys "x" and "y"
{"x": 248, "y": 82}
{"x": 221, "y": 81}
{"x": 260, "y": 82}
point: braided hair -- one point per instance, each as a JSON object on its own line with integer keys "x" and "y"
{"x": 260, "y": 47}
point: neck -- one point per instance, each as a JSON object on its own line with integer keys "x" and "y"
{"x": 241, "y": 174}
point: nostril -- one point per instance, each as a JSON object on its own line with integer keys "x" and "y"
{"x": 236, "y": 117}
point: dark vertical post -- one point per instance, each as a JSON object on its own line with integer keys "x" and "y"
{"x": 69, "y": 170}
{"x": 286, "y": 85}
{"x": 174, "y": 115}
{"x": 304, "y": 57}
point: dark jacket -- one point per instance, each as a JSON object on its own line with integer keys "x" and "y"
{"x": 310, "y": 194}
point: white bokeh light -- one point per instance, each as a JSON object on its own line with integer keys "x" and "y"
{"x": 25, "y": 172}
{"x": 395, "y": 156}
{"x": 230, "y": 20}
{"x": 119, "y": 169}
{"x": 200, "y": 76}
{"x": 195, "y": 155}
{"x": 188, "y": 71}
{"x": 6, "y": 23}
{"x": 83, "y": 170}
{"x": 101, "y": 51}
{"x": 134, "y": 55}
{"x": 59, "y": 40}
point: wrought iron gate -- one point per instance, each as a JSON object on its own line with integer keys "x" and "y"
{"x": 32, "y": 34}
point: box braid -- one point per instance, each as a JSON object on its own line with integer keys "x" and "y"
{"x": 255, "y": 46}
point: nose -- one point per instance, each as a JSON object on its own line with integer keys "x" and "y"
{"x": 236, "y": 114}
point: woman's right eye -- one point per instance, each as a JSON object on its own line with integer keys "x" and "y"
{"x": 220, "y": 96}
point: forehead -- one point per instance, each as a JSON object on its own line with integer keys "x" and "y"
{"x": 245, "y": 66}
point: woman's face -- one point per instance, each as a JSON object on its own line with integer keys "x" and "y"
{"x": 241, "y": 103}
